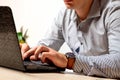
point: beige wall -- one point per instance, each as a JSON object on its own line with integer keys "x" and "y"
{"x": 34, "y": 15}
{"x": 17, "y": 6}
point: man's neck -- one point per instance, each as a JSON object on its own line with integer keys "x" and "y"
{"x": 83, "y": 12}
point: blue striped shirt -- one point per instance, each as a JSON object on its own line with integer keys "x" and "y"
{"x": 95, "y": 41}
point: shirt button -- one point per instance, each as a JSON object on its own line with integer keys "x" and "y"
{"x": 77, "y": 50}
{"x": 81, "y": 43}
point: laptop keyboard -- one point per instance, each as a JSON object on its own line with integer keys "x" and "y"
{"x": 35, "y": 63}
{"x": 39, "y": 66}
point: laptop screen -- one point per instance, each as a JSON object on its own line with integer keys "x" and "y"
{"x": 10, "y": 54}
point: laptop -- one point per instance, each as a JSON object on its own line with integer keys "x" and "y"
{"x": 10, "y": 53}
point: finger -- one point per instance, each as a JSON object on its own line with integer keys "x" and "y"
{"x": 24, "y": 47}
{"x": 29, "y": 53}
{"x": 40, "y": 56}
{"x": 20, "y": 45}
{"x": 33, "y": 58}
{"x": 45, "y": 57}
{"x": 39, "y": 50}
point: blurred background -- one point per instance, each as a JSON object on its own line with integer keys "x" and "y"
{"x": 36, "y": 16}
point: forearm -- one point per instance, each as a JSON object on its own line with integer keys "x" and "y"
{"x": 52, "y": 43}
{"x": 104, "y": 65}
{"x": 107, "y": 65}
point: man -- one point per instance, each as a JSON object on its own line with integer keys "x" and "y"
{"x": 91, "y": 28}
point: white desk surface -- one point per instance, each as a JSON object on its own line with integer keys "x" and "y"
{"x": 9, "y": 74}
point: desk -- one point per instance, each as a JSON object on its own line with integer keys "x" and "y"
{"x": 9, "y": 74}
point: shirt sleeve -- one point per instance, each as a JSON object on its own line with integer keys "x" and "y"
{"x": 107, "y": 65}
{"x": 54, "y": 37}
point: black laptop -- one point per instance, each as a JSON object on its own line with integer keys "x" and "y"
{"x": 10, "y": 53}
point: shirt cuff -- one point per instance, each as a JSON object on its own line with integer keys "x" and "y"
{"x": 81, "y": 64}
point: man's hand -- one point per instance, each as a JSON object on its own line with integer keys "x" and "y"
{"x": 44, "y": 54}
{"x": 24, "y": 47}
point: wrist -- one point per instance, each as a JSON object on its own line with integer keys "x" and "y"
{"x": 71, "y": 60}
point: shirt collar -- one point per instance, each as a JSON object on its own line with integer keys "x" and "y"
{"x": 94, "y": 11}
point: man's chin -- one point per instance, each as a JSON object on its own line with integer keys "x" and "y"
{"x": 69, "y": 7}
